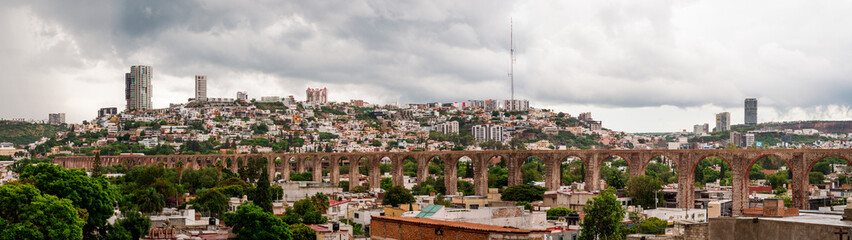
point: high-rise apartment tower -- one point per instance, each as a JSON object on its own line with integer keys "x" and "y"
{"x": 201, "y": 88}
{"x": 751, "y": 111}
{"x": 138, "y": 89}
{"x": 723, "y": 121}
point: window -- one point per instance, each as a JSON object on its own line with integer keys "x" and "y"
{"x": 474, "y": 206}
{"x": 356, "y": 215}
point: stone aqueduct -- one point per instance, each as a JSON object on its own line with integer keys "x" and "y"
{"x": 799, "y": 161}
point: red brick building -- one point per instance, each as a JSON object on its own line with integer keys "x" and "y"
{"x": 406, "y": 228}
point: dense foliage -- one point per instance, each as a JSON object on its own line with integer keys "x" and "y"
{"x": 252, "y": 222}
{"x": 603, "y": 216}
{"x": 29, "y": 214}
{"x": 643, "y": 190}
{"x": 397, "y": 195}
{"x": 87, "y": 193}
{"x": 528, "y": 193}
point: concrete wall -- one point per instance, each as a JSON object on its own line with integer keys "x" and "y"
{"x": 747, "y": 228}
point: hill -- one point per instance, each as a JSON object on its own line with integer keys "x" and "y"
{"x": 21, "y": 133}
{"x": 822, "y": 126}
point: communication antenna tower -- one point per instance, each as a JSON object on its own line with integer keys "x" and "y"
{"x": 511, "y": 64}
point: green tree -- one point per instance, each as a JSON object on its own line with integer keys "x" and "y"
{"x": 213, "y": 201}
{"x": 823, "y": 167}
{"x": 777, "y": 180}
{"x": 527, "y": 206}
{"x": 397, "y": 195}
{"x": 386, "y": 183}
{"x": 26, "y": 213}
{"x": 149, "y": 201}
{"x": 653, "y": 226}
{"x": 320, "y": 201}
{"x": 603, "y": 216}
{"x": 261, "y": 193}
{"x": 303, "y": 232}
{"x": 616, "y": 180}
{"x": 816, "y": 178}
{"x": 96, "y": 165}
{"x": 557, "y": 212}
{"x": 305, "y": 211}
{"x": 87, "y": 193}
{"x": 756, "y": 173}
{"x": 528, "y": 193}
{"x": 135, "y": 223}
{"x": 643, "y": 189}
{"x": 252, "y": 222}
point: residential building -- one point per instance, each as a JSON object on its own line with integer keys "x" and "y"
{"x": 488, "y": 105}
{"x": 107, "y": 111}
{"x": 289, "y": 101}
{"x": 749, "y": 139}
{"x": 298, "y": 190}
{"x": 331, "y": 231}
{"x": 270, "y": 99}
{"x": 138, "y": 88}
{"x": 451, "y": 127}
{"x": 201, "y": 88}
{"x": 317, "y": 96}
{"x": 701, "y": 129}
{"x": 358, "y": 102}
{"x": 242, "y": 96}
{"x": 517, "y": 105}
{"x": 7, "y": 149}
{"x": 571, "y": 200}
{"x": 736, "y": 138}
{"x": 56, "y": 118}
{"x": 751, "y": 111}
{"x": 723, "y": 121}
{"x": 487, "y": 131}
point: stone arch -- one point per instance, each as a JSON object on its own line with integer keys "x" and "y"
{"x": 606, "y": 156}
{"x": 820, "y": 157}
{"x": 804, "y": 182}
{"x": 652, "y": 156}
{"x": 602, "y": 158}
{"x": 562, "y": 159}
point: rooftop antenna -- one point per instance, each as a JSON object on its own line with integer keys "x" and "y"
{"x": 512, "y": 62}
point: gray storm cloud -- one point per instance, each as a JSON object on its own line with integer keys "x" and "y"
{"x": 606, "y": 55}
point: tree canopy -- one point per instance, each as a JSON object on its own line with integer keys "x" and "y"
{"x": 397, "y": 195}
{"x": 603, "y": 217}
{"x": 528, "y": 193}
{"x": 73, "y": 184}
{"x": 29, "y": 214}
{"x": 252, "y": 222}
{"x": 643, "y": 189}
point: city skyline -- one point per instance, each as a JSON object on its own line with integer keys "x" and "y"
{"x": 638, "y": 68}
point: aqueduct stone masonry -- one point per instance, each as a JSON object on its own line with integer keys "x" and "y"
{"x": 799, "y": 162}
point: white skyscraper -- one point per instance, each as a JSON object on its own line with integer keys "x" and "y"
{"x": 201, "y": 88}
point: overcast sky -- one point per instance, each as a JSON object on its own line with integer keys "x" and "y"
{"x": 638, "y": 66}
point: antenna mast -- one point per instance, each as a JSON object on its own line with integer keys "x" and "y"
{"x": 512, "y": 63}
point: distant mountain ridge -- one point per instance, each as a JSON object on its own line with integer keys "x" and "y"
{"x": 21, "y": 133}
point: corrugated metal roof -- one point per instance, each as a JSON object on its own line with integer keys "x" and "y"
{"x": 428, "y": 211}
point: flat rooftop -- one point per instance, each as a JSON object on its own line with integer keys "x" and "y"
{"x": 810, "y": 218}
